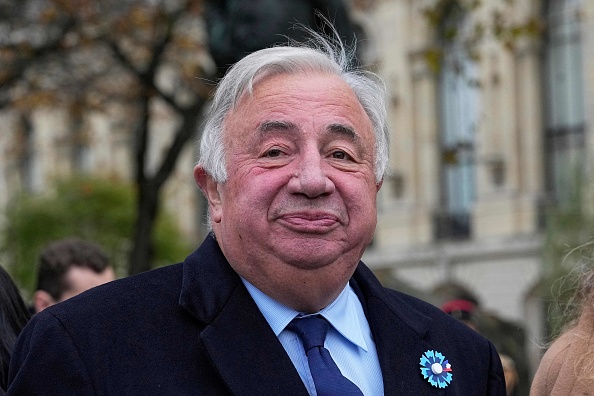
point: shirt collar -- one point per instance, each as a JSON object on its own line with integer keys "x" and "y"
{"x": 276, "y": 314}
{"x": 341, "y": 313}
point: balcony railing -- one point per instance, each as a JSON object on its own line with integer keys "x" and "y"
{"x": 451, "y": 226}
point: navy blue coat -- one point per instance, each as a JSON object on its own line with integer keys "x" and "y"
{"x": 193, "y": 329}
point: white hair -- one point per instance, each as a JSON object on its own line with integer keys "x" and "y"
{"x": 318, "y": 55}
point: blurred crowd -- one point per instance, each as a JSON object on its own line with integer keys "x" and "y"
{"x": 66, "y": 268}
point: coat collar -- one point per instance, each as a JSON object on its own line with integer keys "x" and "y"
{"x": 241, "y": 345}
{"x": 207, "y": 282}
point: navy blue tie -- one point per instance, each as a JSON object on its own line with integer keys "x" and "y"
{"x": 327, "y": 377}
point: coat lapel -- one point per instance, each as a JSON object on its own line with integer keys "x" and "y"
{"x": 239, "y": 341}
{"x": 398, "y": 330}
{"x": 247, "y": 353}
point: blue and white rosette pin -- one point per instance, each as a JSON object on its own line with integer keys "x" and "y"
{"x": 436, "y": 369}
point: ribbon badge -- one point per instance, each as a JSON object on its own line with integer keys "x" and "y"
{"x": 436, "y": 369}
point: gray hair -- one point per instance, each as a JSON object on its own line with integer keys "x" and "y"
{"x": 317, "y": 55}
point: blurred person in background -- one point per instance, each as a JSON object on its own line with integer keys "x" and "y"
{"x": 69, "y": 267}
{"x": 567, "y": 367}
{"x": 507, "y": 337}
{"x": 13, "y": 317}
{"x": 463, "y": 310}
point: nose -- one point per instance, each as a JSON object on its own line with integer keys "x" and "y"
{"x": 310, "y": 178}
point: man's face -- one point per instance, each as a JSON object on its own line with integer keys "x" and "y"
{"x": 301, "y": 191}
{"x": 78, "y": 279}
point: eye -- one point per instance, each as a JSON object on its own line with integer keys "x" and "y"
{"x": 341, "y": 155}
{"x": 273, "y": 153}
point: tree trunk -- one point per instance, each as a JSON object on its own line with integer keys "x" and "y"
{"x": 149, "y": 187}
{"x": 142, "y": 244}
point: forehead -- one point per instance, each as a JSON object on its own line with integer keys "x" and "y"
{"x": 83, "y": 278}
{"x": 304, "y": 99}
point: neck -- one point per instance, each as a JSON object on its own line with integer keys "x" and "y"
{"x": 307, "y": 291}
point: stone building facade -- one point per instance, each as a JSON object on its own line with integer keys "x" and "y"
{"x": 481, "y": 146}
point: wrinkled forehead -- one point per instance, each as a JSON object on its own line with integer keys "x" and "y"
{"x": 281, "y": 77}
{"x": 296, "y": 102}
{"x": 278, "y": 87}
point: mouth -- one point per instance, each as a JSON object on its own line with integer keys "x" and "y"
{"x": 317, "y": 223}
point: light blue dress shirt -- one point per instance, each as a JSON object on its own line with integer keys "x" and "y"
{"x": 349, "y": 339}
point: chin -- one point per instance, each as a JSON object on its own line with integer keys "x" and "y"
{"x": 308, "y": 256}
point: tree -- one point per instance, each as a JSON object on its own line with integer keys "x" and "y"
{"x": 496, "y": 23}
{"x": 567, "y": 253}
{"x": 88, "y": 55}
{"x": 99, "y": 210}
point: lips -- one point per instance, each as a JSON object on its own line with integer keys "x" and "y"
{"x": 312, "y": 222}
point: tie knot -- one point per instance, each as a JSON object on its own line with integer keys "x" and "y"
{"x": 311, "y": 330}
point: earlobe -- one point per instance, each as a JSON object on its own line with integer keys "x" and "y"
{"x": 42, "y": 300}
{"x": 210, "y": 189}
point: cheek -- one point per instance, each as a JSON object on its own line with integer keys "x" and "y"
{"x": 361, "y": 203}
{"x": 252, "y": 192}
{"x": 359, "y": 190}
{"x": 363, "y": 209}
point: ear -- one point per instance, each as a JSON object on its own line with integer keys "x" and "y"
{"x": 42, "y": 300}
{"x": 210, "y": 189}
{"x": 379, "y": 184}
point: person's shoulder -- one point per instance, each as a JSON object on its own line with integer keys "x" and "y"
{"x": 417, "y": 313}
{"x": 558, "y": 349}
{"x": 557, "y": 354}
{"x": 439, "y": 323}
{"x": 155, "y": 280}
{"x": 562, "y": 353}
{"x": 418, "y": 304}
{"x": 153, "y": 288}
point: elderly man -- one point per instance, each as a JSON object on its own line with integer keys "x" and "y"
{"x": 275, "y": 300}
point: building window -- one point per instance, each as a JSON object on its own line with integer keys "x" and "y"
{"x": 28, "y": 165}
{"x": 458, "y": 112}
{"x": 564, "y": 104}
{"x": 81, "y": 153}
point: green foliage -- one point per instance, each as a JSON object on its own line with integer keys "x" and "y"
{"x": 445, "y": 17}
{"x": 567, "y": 253}
{"x": 170, "y": 245}
{"x": 100, "y": 210}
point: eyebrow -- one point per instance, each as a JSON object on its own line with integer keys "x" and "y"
{"x": 286, "y": 126}
{"x": 343, "y": 130}
{"x": 268, "y": 126}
